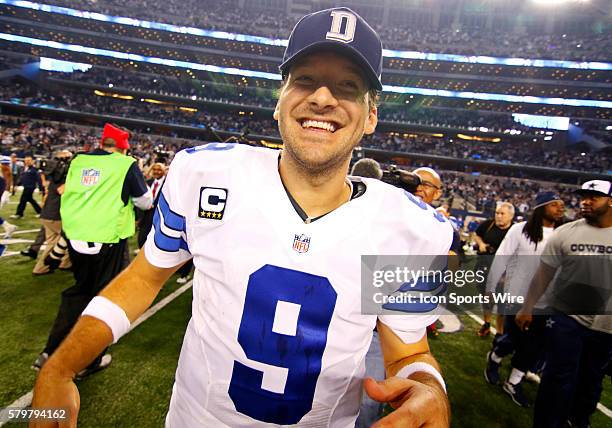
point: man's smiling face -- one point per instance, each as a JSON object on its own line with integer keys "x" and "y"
{"x": 323, "y": 111}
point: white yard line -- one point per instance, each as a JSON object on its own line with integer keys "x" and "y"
{"x": 19, "y": 232}
{"x": 26, "y": 399}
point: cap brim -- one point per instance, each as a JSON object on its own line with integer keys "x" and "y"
{"x": 582, "y": 192}
{"x": 546, "y": 203}
{"x": 342, "y": 48}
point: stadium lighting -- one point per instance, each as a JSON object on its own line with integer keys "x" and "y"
{"x": 556, "y": 2}
{"x": 52, "y": 64}
{"x": 274, "y": 76}
{"x": 222, "y": 35}
{"x": 545, "y": 122}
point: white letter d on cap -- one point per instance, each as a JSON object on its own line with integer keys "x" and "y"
{"x": 349, "y": 31}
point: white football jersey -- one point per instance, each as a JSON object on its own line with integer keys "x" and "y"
{"x": 276, "y": 336}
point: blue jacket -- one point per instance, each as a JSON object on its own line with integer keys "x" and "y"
{"x": 30, "y": 178}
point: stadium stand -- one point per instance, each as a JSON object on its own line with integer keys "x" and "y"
{"x": 467, "y": 37}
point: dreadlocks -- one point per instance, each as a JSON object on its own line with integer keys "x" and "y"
{"x": 533, "y": 228}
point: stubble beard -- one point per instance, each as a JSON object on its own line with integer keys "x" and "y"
{"x": 314, "y": 167}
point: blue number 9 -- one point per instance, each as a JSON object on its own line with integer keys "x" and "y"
{"x": 284, "y": 324}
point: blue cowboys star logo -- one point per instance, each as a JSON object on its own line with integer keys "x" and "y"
{"x": 592, "y": 186}
{"x": 549, "y": 323}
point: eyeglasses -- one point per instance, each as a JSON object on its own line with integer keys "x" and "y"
{"x": 428, "y": 184}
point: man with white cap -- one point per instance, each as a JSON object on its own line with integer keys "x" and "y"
{"x": 579, "y": 331}
{"x": 277, "y": 336}
{"x": 518, "y": 257}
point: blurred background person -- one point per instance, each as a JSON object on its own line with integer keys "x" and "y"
{"x": 55, "y": 171}
{"x": 430, "y": 186}
{"x": 576, "y": 266}
{"x": 30, "y": 179}
{"x": 97, "y": 210}
{"x": 489, "y": 235}
{"x": 16, "y": 170}
{"x": 518, "y": 257}
{"x": 6, "y": 180}
{"x": 155, "y": 183}
{"x": 368, "y": 168}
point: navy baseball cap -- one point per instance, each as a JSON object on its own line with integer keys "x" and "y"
{"x": 545, "y": 198}
{"x": 338, "y": 29}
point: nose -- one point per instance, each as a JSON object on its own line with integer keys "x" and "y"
{"x": 322, "y": 98}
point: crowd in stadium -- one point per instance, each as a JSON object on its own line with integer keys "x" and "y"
{"x": 525, "y": 152}
{"x": 45, "y": 138}
{"x": 225, "y": 16}
{"x": 164, "y": 85}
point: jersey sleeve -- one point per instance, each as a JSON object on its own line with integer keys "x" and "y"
{"x": 430, "y": 233}
{"x": 409, "y": 328}
{"x": 166, "y": 244}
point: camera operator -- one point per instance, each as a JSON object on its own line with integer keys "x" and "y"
{"x": 55, "y": 171}
{"x": 401, "y": 178}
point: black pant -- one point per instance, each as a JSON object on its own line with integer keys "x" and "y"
{"x": 185, "y": 270}
{"x": 26, "y": 197}
{"x": 527, "y": 345}
{"x": 92, "y": 273}
{"x": 576, "y": 361}
{"x": 39, "y": 241}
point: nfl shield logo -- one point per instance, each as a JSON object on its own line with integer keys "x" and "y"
{"x": 301, "y": 243}
{"x": 90, "y": 177}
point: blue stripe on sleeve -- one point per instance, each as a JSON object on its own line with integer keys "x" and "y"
{"x": 173, "y": 221}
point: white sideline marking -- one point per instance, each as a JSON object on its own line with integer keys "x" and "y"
{"x": 26, "y": 399}
{"x": 603, "y": 409}
{"x": 9, "y": 253}
{"x": 13, "y": 241}
{"x": 159, "y": 305}
{"x": 19, "y": 232}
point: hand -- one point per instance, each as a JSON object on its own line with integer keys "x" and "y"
{"x": 523, "y": 319}
{"x": 56, "y": 391}
{"x": 484, "y": 248}
{"x": 417, "y": 404}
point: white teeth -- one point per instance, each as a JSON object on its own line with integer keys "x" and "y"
{"x": 328, "y": 126}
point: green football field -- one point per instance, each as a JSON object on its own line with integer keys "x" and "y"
{"x": 135, "y": 390}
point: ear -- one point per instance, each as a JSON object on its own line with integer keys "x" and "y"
{"x": 371, "y": 121}
{"x": 276, "y": 113}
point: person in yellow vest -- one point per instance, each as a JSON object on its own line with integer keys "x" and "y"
{"x": 97, "y": 210}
